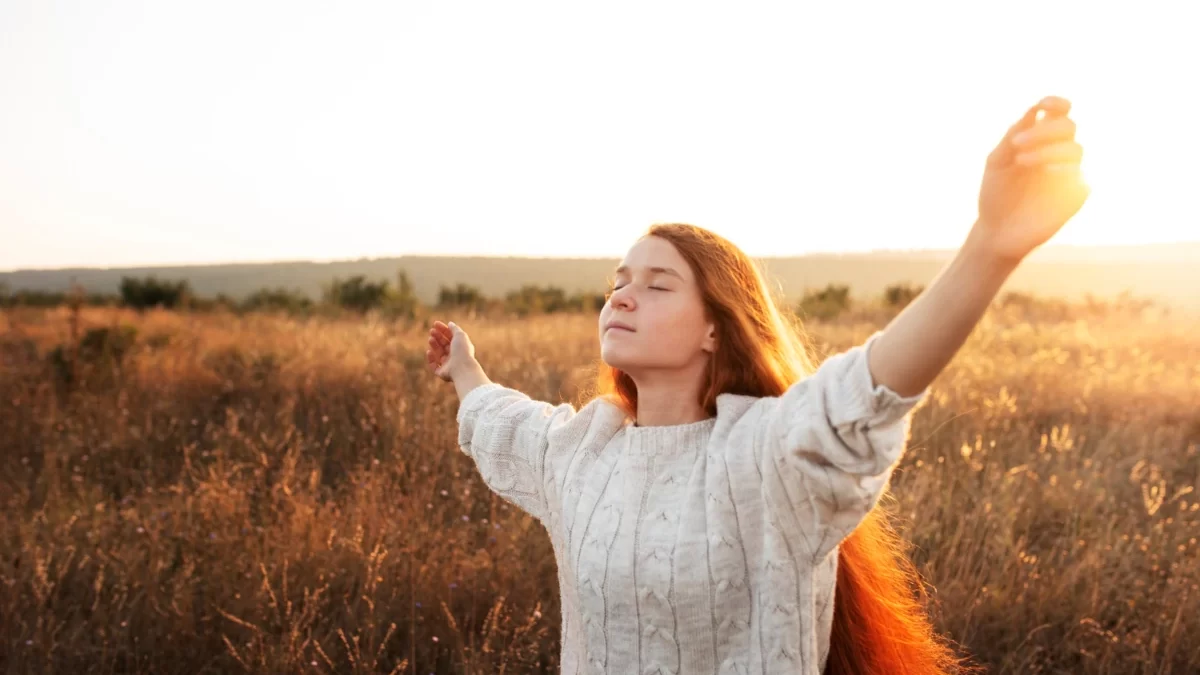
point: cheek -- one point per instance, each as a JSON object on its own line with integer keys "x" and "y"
{"x": 679, "y": 332}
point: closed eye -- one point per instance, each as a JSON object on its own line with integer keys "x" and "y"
{"x": 613, "y": 289}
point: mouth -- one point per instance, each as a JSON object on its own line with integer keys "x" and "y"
{"x": 618, "y": 326}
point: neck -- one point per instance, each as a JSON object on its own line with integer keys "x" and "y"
{"x": 669, "y": 398}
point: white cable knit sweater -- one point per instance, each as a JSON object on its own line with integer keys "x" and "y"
{"x": 697, "y": 548}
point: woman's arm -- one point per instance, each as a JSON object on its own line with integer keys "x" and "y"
{"x": 509, "y": 435}
{"x": 504, "y": 431}
{"x": 926, "y": 335}
{"x": 833, "y": 439}
{"x": 1031, "y": 188}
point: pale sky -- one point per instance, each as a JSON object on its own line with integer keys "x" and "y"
{"x": 162, "y": 132}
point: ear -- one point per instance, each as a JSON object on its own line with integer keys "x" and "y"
{"x": 710, "y": 338}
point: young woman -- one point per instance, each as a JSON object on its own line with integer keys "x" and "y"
{"x": 711, "y": 508}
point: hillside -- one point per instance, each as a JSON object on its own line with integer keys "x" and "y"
{"x": 1166, "y": 272}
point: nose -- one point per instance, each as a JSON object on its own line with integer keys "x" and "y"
{"x": 622, "y": 299}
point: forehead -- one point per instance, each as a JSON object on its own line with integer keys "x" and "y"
{"x": 655, "y": 253}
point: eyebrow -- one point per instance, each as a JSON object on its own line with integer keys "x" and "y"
{"x": 653, "y": 270}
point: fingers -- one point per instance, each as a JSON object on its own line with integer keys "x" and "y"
{"x": 456, "y": 332}
{"x": 1045, "y": 122}
{"x": 1049, "y": 108}
{"x": 443, "y": 334}
{"x": 1027, "y": 120}
{"x": 440, "y": 333}
{"x": 437, "y": 356}
{"x": 1054, "y": 106}
{"x": 1048, "y": 130}
{"x": 441, "y": 330}
{"x": 438, "y": 340}
{"x": 1056, "y": 153}
{"x": 439, "y": 345}
{"x": 1003, "y": 153}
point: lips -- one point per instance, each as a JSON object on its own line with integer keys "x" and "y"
{"x": 618, "y": 325}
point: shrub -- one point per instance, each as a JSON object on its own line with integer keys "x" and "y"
{"x": 826, "y": 303}
{"x": 145, "y": 293}
{"x": 898, "y": 296}
{"x": 278, "y": 300}
{"x": 530, "y": 299}
{"x": 357, "y": 293}
{"x": 586, "y": 302}
{"x": 461, "y": 296}
{"x": 402, "y": 301}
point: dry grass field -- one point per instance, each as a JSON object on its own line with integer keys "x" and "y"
{"x": 221, "y": 494}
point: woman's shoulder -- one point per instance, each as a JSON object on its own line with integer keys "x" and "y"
{"x": 734, "y": 407}
{"x": 596, "y": 417}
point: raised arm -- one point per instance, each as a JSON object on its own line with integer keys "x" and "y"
{"x": 833, "y": 439}
{"x": 503, "y": 430}
{"x": 1031, "y": 188}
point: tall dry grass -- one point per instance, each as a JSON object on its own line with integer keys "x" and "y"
{"x": 259, "y": 494}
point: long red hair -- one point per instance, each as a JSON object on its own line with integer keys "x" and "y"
{"x": 880, "y": 626}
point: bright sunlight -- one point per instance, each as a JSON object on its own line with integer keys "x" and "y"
{"x": 167, "y": 132}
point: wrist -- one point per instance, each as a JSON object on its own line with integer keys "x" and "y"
{"x": 469, "y": 373}
{"x": 986, "y": 252}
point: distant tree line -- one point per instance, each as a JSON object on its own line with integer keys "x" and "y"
{"x": 360, "y": 294}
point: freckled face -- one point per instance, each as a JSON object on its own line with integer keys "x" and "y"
{"x": 655, "y": 318}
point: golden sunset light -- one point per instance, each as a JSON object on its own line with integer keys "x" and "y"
{"x": 440, "y": 337}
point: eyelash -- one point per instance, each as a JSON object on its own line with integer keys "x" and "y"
{"x": 613, "y": 289}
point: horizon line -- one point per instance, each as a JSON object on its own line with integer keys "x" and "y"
{"x": 327, "y": 261}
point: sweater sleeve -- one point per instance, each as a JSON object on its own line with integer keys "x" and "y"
{"x": 506, "y": 434}
{"x": 834, "y": 439}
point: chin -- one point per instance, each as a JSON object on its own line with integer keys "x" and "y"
{"x": 609, "y": 360}
{"x": 613, "y": 358}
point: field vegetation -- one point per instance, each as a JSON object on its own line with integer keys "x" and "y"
{"x": 277, "y": 489}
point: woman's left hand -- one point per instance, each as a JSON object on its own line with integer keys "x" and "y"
{"x": 1032, "y": 183}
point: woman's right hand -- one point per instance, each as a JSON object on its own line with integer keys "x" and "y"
{"x": 450, "y": 350}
